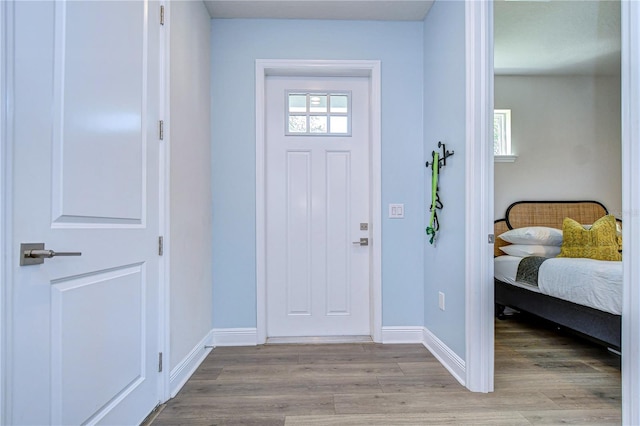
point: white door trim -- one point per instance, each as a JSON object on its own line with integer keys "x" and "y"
{"x": 479, "y": 325}
{"x": 6, "y": 197}
{"x": 164, "y": 320}
{"x": 318, "y": 68}
{"x": 630, "y": 13}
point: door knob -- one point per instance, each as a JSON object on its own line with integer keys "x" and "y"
{"x": 362, "y": 242}
{"x": 35, "y": 254}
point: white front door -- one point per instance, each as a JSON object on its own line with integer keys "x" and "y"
{"x": 317, "y": 206}
{"x": 83, "y": 331}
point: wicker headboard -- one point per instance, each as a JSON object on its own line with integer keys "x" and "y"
{"x": 545, "y": 213}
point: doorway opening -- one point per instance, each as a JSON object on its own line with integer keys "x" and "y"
{"x": 562, "y": 85}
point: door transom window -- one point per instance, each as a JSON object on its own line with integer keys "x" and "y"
{"x": 318, "y": 113}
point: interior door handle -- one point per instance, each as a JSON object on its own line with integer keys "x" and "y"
{"x": 48, "y": 254}
{"x": 362, "y": 242}
{"x": 35, "y": 254}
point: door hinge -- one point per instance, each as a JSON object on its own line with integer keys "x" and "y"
{"x": 161, "y": 129}
{"x": 492, "y": 239}
{"x": 161, "y": 15}
{"x": 159, "y": 362}
{"x": 160, "y": 246}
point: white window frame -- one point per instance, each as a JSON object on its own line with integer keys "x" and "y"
{"x": 505, "y": 155}
{"x": 327, "y": 114}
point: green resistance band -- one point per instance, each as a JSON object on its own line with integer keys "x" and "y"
{"x": 434, "y": 189}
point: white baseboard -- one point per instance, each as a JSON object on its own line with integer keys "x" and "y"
{"x": 391, "y": 335}
{"x": 185, "y": 368}
{"x": 416, "y": 334}
{"x": 235, "y": 336}
{"x": 446, "y": 356}
{"x": 318, "y": 340}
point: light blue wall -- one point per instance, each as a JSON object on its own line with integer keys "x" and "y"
{"x": 236, "y": 44}
{"x": 444, "y": 103}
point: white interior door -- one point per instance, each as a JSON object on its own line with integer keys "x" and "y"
{"x": 83, "y": 331}
{"x": 317, "y": 206}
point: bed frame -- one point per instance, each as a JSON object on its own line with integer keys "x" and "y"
{"x": 599, "y": 326}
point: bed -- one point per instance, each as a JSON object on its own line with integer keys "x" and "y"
{"x": 580, "y": 306}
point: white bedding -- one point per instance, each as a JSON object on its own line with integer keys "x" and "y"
{"x": 593, "y": 283}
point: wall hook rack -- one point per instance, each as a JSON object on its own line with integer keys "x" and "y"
{"x": 437, "y": 161}
{"x": 442, "y": 161}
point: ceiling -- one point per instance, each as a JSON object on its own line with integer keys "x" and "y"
{"x": 530, "y": 37}
{"x": 557, "y": 37}
{"x": 377, "y": 10}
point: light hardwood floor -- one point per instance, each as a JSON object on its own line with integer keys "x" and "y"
{"x": 541, "y": 377}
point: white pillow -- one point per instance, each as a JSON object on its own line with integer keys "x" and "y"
{"x": 524, "y": 250}
{"x": 535, "y": 235}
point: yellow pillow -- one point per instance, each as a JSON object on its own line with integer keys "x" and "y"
{"x": 600, "y": 242}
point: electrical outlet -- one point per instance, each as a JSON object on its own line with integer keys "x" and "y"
{"x": 441, "y": 300}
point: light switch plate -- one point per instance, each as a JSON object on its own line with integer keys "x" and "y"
{"x": 396, "y": 211}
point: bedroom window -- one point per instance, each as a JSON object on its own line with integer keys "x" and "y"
{"x": 502, "y": 136}
{"x": 318, "y": 114}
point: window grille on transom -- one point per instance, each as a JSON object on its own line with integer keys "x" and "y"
{"x": 318, "y": 113}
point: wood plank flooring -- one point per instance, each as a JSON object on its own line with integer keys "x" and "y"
{"x": 541, "y": 378}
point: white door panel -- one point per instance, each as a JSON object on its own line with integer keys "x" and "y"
{"x": 338, "y": 235}
{"x": 317, "y": 195}
{"x": 84, "y": 336}
{"x": 113, "y": 342}
{"x": 99, "y": 128}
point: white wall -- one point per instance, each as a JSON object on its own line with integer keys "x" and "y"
{"x": 566, "y": 133}
{"x": 190, "y": 187}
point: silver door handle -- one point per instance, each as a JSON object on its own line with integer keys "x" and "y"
{"x": 35, "y": 254}
{"x": 48, "y": 254}
{"x": 362, "y": 242}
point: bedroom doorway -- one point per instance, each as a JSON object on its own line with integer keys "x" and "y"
{"x": 562, "y": 87}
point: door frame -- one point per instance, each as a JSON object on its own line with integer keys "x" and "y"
{"x": 6, "y": 42}
{"x": 630, "y": 84}
{"x": 479, "y": 295}
{"x": 164, "y": 203}
{"x": 6, "y": 210}
{"x": 321, "y": 68}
